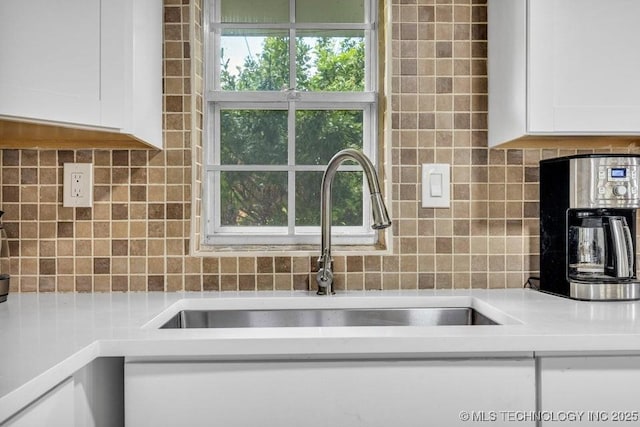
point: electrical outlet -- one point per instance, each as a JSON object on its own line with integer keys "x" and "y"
{"x": 78, "y": 185}
{"x": 77, "y": 181}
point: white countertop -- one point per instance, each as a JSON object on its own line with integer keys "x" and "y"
{"x": 44, "y": 338}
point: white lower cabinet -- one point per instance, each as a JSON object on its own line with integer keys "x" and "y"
{"x": 328, "y": 393}
{"x": 53, "y": 409}
{"x": 99, "y": 393}
{"x": 91, "y": 397}
{"x": 584, "y": 391}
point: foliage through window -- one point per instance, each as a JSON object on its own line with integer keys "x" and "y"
{"x": 289, "y": 84}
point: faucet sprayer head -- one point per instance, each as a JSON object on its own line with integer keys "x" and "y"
{"x": 379, "y": 211}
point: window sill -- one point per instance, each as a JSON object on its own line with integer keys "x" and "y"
{"x": 287, "y": 250}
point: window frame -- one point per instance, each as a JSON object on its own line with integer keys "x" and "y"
{"x": 291, "y": 101}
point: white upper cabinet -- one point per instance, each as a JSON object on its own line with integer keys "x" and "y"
{"x": 83, "y": 64}
{"x": 563, "y": 67}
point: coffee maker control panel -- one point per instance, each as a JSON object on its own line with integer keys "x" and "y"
{"x": 619, "y": 182}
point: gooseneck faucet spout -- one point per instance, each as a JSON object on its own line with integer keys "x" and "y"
{"x": 324, "y": 278}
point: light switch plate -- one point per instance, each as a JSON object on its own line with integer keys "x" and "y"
{"x": 77, "y": 185}
{"x": 436, "y": 180}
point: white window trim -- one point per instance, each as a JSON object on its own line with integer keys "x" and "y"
{"x": 213, "y": 233}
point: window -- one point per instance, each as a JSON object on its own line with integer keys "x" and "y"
{"x": 289, "y": 83}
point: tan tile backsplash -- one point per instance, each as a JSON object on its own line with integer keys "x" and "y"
{"x": 137, "y": 235}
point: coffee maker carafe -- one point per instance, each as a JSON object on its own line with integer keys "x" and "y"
{"x": 588, "y": 209}
{"x": 600, "y": 247}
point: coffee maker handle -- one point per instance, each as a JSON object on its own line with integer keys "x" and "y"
{"x": 621, "y": 248}
{"x": 630, "y": 251}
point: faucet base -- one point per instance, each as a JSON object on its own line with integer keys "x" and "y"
{"x": 324, "y": 279}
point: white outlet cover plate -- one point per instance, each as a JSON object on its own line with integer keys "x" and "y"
{"x": 436, "y": 180}
{"x": 84, "y": 188}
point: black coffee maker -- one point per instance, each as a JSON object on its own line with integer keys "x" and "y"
{"x": 588, "y": 209}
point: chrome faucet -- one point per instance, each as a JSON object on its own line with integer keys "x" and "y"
{"x": 324, "y": 278}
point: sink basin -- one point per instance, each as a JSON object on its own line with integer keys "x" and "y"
{"x": 431, "y": 316}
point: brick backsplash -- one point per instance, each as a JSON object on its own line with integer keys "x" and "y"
{"x": 137, "y": 235}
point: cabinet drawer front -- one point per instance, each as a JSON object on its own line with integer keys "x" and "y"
{"x": 344, "y": 393}
{"x": 604, "y": 390}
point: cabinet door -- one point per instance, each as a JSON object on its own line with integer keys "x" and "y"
{"x": 327, "y": 393}
{"x": 50, "y": 68}
{"x": 599, "y": 390}
{"x": 54, "y": 409}
{"x": 584, "y": 59}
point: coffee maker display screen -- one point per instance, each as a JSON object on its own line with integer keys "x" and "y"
{"x": 618, "y": 172}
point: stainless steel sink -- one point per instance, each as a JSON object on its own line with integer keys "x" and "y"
{"x": 449, "y": 316}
